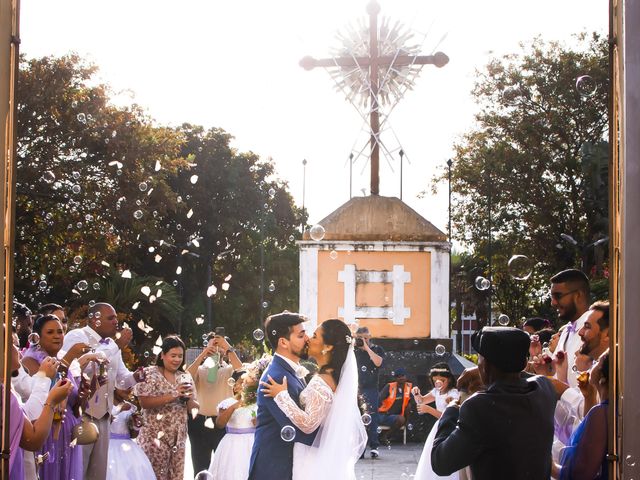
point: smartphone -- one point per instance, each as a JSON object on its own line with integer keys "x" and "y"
{"x": 220, "y": 331}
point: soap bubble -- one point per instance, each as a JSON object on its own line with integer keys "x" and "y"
{"x": 520, "y": 267}
{"x": 482, "y": 283}
{"x": 440, "y": 350}
{"x": 203, "y": 475}
{"x": 272, "y": 192}
{"x": 317, "y": 233}
{"x": 194, "y": 179}
{"x": 272, "y": 286}
{"x": 333, "y": 255}
{"x": 34, "y": 338}
{"x": 503, "y": 320}
{"x": 82, "y": 118}
{"x": 288, "y": 433}
{"x": 42, "y": 285}
{"x": 142, "y": 186}
{"x": 76, "y": 189}
{"x": 366, "y": 419}
{"x": 265, "y": 304}
{"x": 231, "y": 381}
{"x": 586, "y": 86}
{"x": 258, "y": 334}
{"x": 363, "y": 368}
{"x": 291, "y": 238}
{"x": 82, "y": 285}
{"x": 137, "y": 214}
{"x": 77, "y": 259}
{"x": 49, "y": 176}
{"x": 96, "y": 286}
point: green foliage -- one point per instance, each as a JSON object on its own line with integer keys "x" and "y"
{"x": 107, "y": 185}
{"x": 533, "y": 168}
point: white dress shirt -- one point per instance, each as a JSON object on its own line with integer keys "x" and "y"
{"x": 570, "y": 342}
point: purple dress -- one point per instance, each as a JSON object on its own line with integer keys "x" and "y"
{"x": 16, "y": 424}
{"x": 64, "y": 461}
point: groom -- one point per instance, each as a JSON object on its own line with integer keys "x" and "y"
{"x": 272, "y": 456}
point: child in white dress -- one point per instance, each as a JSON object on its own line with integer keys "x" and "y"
{"x": 443, "y": 392}
{"x": 237, "y": 414}
{"x": 126, "y": 458}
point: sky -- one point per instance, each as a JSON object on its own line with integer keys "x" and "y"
{"x": 234, "y": 65}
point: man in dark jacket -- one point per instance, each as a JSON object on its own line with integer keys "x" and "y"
{"x": 505, "y": 431}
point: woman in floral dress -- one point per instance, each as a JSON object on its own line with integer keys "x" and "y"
{"x": 166, "y": 397}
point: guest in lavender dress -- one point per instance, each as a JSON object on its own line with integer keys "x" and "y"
{"x": 23, "y": 433}
{"x": 64, "y": 460}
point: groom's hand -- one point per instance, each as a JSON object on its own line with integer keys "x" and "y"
{"x": 273, "y": 388}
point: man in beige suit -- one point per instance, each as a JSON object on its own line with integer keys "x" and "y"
{"x": 100, "y": 335}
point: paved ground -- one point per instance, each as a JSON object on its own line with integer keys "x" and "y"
{"x": 398, "y": 462}
{"x": 395, "y": 463}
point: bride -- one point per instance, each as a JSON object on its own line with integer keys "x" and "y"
{"x": 330, "y": 403}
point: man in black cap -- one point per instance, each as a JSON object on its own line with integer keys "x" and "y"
{"x": 506, "y": 430}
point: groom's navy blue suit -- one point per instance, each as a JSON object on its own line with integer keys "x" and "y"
{"x": 272, "y": 457}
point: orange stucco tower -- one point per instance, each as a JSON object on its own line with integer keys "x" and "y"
{"x": 380, "y": 264}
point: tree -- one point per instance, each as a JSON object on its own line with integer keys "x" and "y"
{"x": 529, "y": 171}
{"x": 102, "y": 190}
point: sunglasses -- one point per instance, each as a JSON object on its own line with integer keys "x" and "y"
{"x": 557, "y": 296}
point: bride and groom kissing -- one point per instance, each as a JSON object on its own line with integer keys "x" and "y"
{"x": 308, "y": 431}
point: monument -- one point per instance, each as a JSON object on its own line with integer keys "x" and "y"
{"x": 375, "y": 261}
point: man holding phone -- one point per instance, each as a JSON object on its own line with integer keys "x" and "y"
{"x": 369, "y": 358}
{"x": 211, "y": 372}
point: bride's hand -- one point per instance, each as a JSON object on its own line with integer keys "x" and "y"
{"x": 273, "y": 388}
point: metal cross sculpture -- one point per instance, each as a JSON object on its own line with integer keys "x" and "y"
{"x": 374, "y": 67}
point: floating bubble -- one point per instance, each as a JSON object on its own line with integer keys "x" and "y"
{"x": 49, "y": 176}
{"x": 586, "y": 85}
{"x": 98, "y": 323}
{"x": 200, "y": 319}
{"x": 137, "y": 214}
{"x": 42, "y": 285}
{"x": 415, "y": 341}
{"x": 126, "y": 274}
{"x": 265, "y": 304}
{"x": 204, "y": 474}
{"x": 82, "y": 285}
{"x": 75, "y": 175}
{"x": 142, "y": 186}
{"x": 272, "y": 286}
{"x": 366, "y": 419}
{"x": 272, "y": 192}
{"x": 76, "y": 189}
{"x": 520, "y": 267}
{"x": 82, "y": 118}
{"x": 145, "y": 290}
{"x": 194, "y": 179}
{"x": 630, "y": 461}
{"x": 225, "y": 286}
{"x": 34, "y": 338}
{"x": 92, "y": 303}
{"x": 77, "y": 259}
{"x": 440, "y": 350}
{"x": 482, "y": 283}
{"x": 211, "y": 291}
{"x": 258, "y": 334}
{"x": 146, "y": 354}
{"x": 410, "y": 426}
{"x": 317, "y": 233}
{"x": 174, "y": 283}
{"x": 291, "y": 238}
{"x": 231, "y": 381}
{"x": 288, "y": 433}
{"x": 333, "y": 255}
{"x": 503, "y": 320}
{"x": 363, "y": 368}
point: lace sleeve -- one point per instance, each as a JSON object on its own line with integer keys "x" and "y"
{"x": 317, "y": 400}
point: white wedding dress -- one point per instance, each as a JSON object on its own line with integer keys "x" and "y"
{"x": 341, "y": 436}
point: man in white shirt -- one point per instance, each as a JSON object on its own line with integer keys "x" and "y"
{"x": 100, "y": 335}
{"x": 570, "y": 297}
